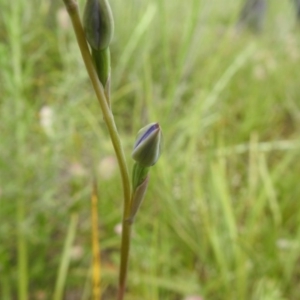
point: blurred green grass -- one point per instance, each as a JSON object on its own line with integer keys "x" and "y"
{"x": 221, "y": 218}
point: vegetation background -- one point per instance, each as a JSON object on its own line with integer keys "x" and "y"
{"x": 221, "y": 217}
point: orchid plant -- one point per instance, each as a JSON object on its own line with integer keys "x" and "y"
{"x": 97, "y": 31}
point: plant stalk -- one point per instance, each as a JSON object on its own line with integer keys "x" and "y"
{"x": 125, "y": 248}
{"x": 22, "y": 253}
{"x": 96, "y": 264}
{"x": 65, "y": 259}
{"x": 72, "y": 9}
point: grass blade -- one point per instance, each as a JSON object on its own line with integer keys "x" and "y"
{"x": 65, "y": 259}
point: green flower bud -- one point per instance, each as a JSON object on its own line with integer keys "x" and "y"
{"x": 147, "y": 147}
{"x": 146, "y": 152}
{"x": 98, "y": 23}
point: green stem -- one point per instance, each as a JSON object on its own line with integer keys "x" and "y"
{"x": 22, "y": 253}
{"x": 125, "y": 248}
{"x": 14, "y": 29}
{"x": 72, "y": 8}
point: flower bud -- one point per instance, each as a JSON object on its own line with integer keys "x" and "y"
{"x": 147, "y": 147}
{"x": 98, "y": 23}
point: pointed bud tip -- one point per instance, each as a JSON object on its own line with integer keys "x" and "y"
{"x": 148, "y": 144}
